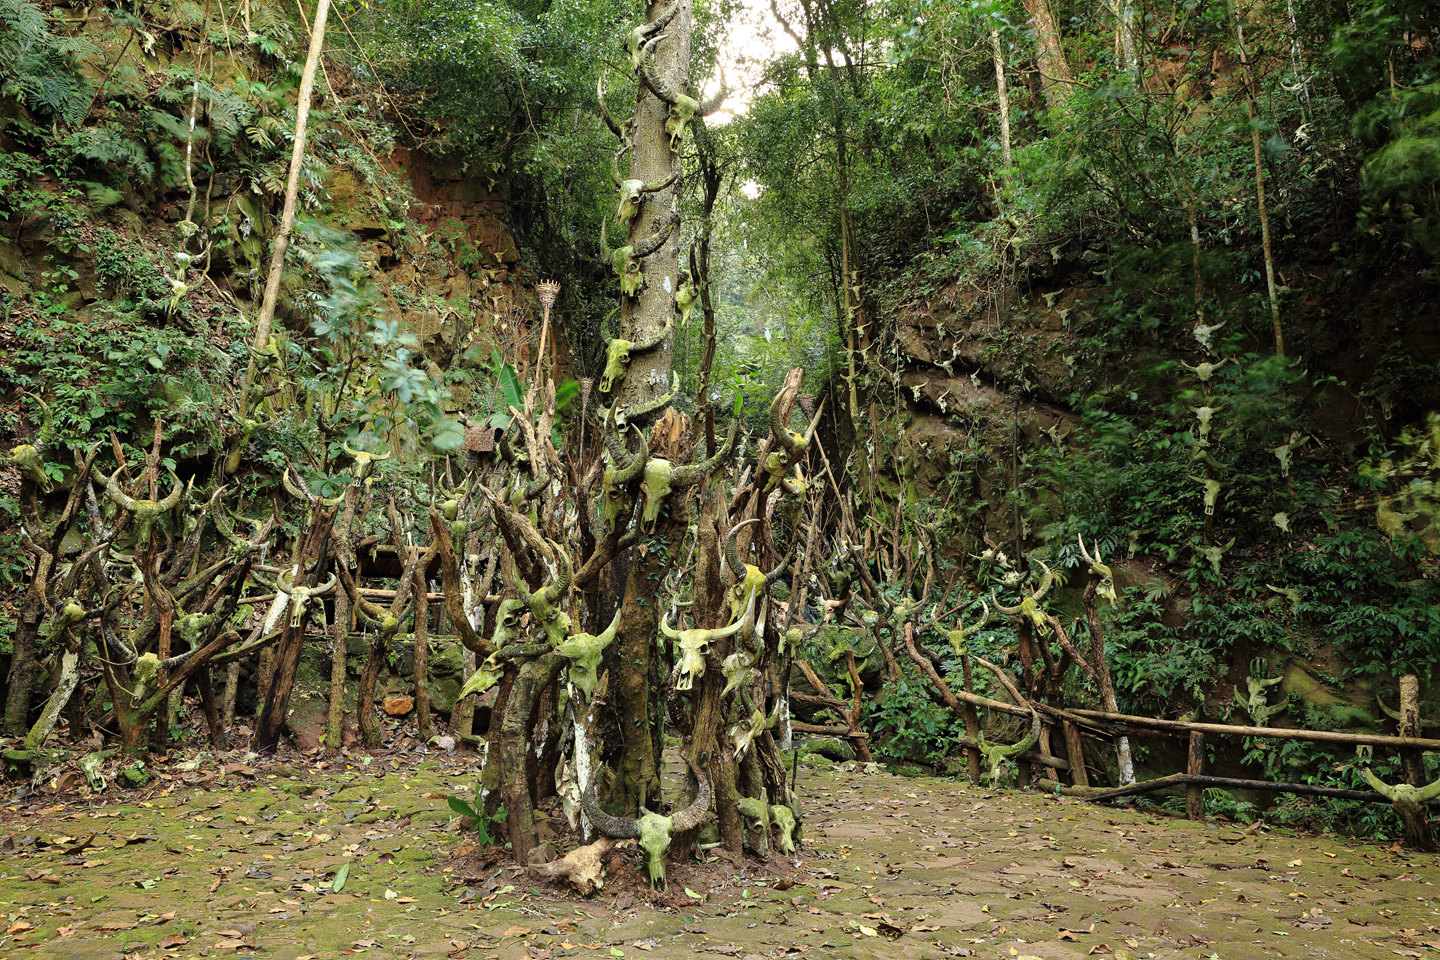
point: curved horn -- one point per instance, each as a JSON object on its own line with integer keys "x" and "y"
{"x": 709, "y": 106}
{"x": 606, "y": 252}
{"x": 648, "y": 246}
{"x": 665, "y": 628}
{"x": 779, "y": 428}
{"x": 610, "y": 631}
{"x": 640, "y": 346}
{"x": 779, "y": 571}
{"x": 1045, "y": 581}
{"x": 115, "y": 492}
{"x": 658, "y": 185}
{"x": 980, "y": 624}
{"x": 170, "y": 501}
{"x": 556, "y": 589}
{"x": 732, "y": 552}
{"x": 1084, "y": 553}
{"x": 693, "y": 815}
{"x": 291, "y": 487}
{"x": 662, "y": 21}
{"x": 637, "y": 465}
{"x": 621, "y": 828}
{"x": 1002, "y": 608}
{"x": 326, "y": 587}
{"x": 745, "y": 624}
{"x": 690, "y": 475}
{"x": 662, "y": 87}
{"x": 604, "y": 110}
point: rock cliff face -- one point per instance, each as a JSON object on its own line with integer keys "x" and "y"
{"x": 986, "y": 397}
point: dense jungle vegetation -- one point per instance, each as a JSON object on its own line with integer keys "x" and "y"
{"x": 961, "y": 374}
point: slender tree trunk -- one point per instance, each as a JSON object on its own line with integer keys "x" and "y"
{"x": 365, "y": 714}
{"x": 422, "y": 649}
{"x": 1002, "y": 93}
{"x": 1252, "y": 111}
{"x": 335, "y": 716}
{"x": 69, "y": 678}
{"x": 266, "y": 317}
{"x": 1107, "y": 685}
{"x": 24, "y": 665}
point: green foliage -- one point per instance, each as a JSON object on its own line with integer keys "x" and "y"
{"x": 38, "y": 67}
{"x": 913, "y": 726}
{"x": 474, "y": 817}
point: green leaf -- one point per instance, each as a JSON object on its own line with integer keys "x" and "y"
{"x": 341, "y": 876}
{"x": 462, "y": 808}
{"x": 692, "y": 894}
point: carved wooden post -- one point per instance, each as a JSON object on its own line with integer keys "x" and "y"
{"x": 1194, "y": 793}
{"x": 1413, "y": 760}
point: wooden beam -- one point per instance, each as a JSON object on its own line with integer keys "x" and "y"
{"x": 1141, "y": 725}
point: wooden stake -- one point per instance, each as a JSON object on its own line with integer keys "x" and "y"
{"x": 1074, "y": 749}
{"x": 1413, "y": 759}
{"x": 1194, "y": 793}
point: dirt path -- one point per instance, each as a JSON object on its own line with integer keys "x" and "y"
{"x": 896, "y": 868}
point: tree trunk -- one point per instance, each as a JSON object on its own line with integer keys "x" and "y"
{"x": 1055, "y": 77}
{"x": 1002, "y": 93}
{"x": 266, "y": 317}
{"x": 422, "y": 648}
{"x": 510, "y": 750}
{"x": 1253, "y": 113}
{"x": 644, "y": 316}
{"x": 271, "y": 718}
{"x": 69, "y": 678}
{"x": 335, "y": 716}
{"x": 24, "y": 665}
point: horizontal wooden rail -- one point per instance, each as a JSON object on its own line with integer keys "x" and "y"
{"x": 1140, "y": 725}
{"x": 1228, "y": 783}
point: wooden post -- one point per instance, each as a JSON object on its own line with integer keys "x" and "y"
{"x": 971, "y": 717}
{"x": 1042, "y": 745}
{"x": 1413, "y": 760}
{"x": 1194, "y": 793}
{"x": 1074, "y": 750}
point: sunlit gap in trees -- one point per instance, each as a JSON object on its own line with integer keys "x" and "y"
{"x": 752, "y": 38}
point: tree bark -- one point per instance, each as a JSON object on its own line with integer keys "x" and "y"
{"x": 636, "y": 682}
{"x": 422, "y": 648}
{"x": 271, "y": 719}
{"x": 335, "y": 715}
{"x": 1055, "y": 76}
{"x": 1252, "y": 112}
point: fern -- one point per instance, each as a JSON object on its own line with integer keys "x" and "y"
{"x": 106, "y": 146}
{"x": 37, "y": 67}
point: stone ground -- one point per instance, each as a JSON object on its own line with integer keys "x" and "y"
{"x": 235, "y": 861}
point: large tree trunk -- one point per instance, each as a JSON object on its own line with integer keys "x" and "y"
{"x": 635, "y": 683}
{"x": 1055, "y": 77}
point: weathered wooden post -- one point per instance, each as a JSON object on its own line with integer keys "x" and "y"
{"x": 1194, "y": 793}
{"x": 1412, "y": 759}
{"x": 1075, "y": 753}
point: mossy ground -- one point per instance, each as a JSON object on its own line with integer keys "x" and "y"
{"x": 241, "y": 861}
